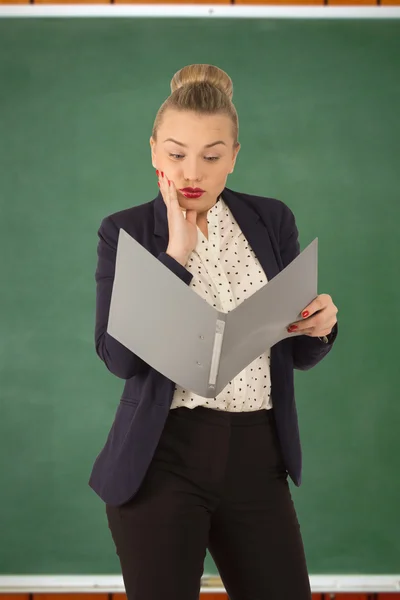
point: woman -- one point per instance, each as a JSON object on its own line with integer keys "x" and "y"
{"x": 181, "y": 473}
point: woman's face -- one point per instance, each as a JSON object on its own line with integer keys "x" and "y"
{"x": 195, "y": 151}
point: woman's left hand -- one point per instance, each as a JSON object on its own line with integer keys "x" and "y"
{"x": 319, "y": 317}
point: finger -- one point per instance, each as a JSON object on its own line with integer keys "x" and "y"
{"x": 304, "y": 331}
{"x": 307, "y": 331}
{"x": 172, "y": 195}
{"x": 169, "y": 191}
{"x": 313, "y": 331}
{"x": 309, "y": 323}
{"x": 317, "y": 304}
{"x": 163, "y": 187}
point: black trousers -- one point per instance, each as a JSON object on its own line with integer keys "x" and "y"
{"x": 216, "y": 481}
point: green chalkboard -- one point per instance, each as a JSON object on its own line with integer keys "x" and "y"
{"x": 318, "y": 102}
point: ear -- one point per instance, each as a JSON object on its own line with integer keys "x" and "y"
{"x": 153, "y": 154}
{"x": 236, "y": 152}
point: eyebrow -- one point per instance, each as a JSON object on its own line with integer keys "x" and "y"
{"x": 185, "y": 146}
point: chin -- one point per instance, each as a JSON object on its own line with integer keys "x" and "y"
{"x": 199, "y": 204}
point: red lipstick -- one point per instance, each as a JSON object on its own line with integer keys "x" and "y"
{"x": 190, "y": 192}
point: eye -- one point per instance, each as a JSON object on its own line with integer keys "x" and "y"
{"x": 207, "y": 158}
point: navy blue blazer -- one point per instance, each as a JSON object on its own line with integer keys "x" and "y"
{"x": 270, "y": 228}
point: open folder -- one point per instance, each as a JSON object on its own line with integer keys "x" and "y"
{"x": 167, "y": 324}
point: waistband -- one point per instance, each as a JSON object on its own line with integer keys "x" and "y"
{"x": 210, "y": 415}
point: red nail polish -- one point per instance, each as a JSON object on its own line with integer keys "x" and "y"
{"x": 158, "y": 183}
{"x": 169, "y": 183}
{"x": 162, "y": 174}
{"x": 305, "y": 314}
{"x": 292, "y": 327}
{"x": 157, "y": 172}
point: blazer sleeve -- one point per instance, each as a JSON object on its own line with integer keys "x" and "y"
{"x": 307, "y": 351}
{"x": 118, "y": 359}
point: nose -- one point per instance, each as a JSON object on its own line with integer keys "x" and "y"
{"x": 192, "y": 172}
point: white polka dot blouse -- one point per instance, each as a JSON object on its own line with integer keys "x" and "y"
{"x": 225, "y": 272}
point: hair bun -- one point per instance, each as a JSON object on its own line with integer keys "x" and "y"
{"x": 192, "y": 74}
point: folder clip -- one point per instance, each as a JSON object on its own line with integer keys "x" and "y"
{"x": 216, "y": 354}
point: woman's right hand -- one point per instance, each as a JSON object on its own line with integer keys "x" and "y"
{"x": 182, "y": 232}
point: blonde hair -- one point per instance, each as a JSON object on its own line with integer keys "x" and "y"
{"x": 203, "y": 89}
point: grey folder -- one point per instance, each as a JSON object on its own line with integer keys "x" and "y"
{"x": 167, "y": 324}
